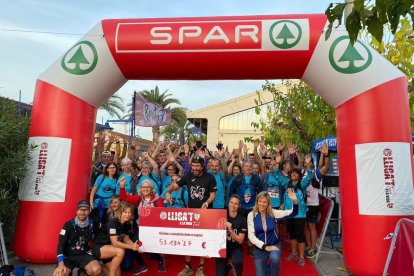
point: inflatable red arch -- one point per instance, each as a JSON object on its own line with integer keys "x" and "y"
{"x": 369, "y": 94}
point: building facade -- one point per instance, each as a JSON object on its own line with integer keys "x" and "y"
{"x": 231, "y": 120}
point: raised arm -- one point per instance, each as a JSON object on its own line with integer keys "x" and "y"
{"x": 324, "y": 160}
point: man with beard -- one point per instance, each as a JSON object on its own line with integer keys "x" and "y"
{"x": 201, "y": 187}
{"x": 74, "y": 244}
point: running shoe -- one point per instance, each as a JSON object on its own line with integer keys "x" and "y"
{"x": 187, "y": 271}
{"x": 161, "y": 265}
{"x": 140, "y": 269}
{"x": 301, "y": 262}
{"x": 200, "y": 271}
{"x": 292, "y": 257}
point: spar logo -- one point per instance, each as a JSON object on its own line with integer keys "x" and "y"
{"x": 81, "y": 59}
{"x": 347, "y": 58}
{"x": 285, "y": 34}
{"x": 41, "y": 167}
{"x": 198, "y": 36}
{"x": 389, "y": 177}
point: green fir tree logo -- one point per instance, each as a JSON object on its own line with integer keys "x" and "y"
{"x": 354, "y": 59}
{"x": 285, "y": 34}
{"x": 81, "y": 59}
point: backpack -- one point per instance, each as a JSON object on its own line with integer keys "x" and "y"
{"x": 253, "y": 181}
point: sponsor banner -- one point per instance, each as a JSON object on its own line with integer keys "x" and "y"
{"x": 340, "y": 71}
{"x": 210, "y": 36}
{"x": 87, "y": 64}
{"x": 47, "y": 172}
{"x": 149, "y": 114}
{"x": 384, "y": 179}
{"x": 183, "y": 231}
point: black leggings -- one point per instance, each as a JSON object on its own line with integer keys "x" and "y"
{"x": 296, "y": 229}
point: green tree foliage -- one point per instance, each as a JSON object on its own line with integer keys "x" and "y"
{"x": 114, "y": 105}
{"x": 298, "y": 116}
{"x": 164, "y": 100}
{"x": 371, "y": 17}
{"x": 14, "y": 154}
{"x": 399, "y": 50}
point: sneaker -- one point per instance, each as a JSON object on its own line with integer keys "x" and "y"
{"x": 187, "y": 271}
{"x": 82, "y": 272}
{"x": 292, "y": 257}
{"x": 310, "y": 253}
{"x": 301, "y": 262}
{"x": 141, "y": 269}
{"x": 200, "y": 271}
{"x": 161, "y": 265}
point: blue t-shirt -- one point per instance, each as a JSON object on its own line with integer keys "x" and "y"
{"x": 128, "y": 184}
{"x": 218, "y": 202}
{"x": 150, "y": 178}
{"x": 106, "y": 189}
{"x": 166, "y": 182}
{"x": 179, "y": 198}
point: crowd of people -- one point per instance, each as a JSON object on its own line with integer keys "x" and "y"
{"x": 270, "y": 195}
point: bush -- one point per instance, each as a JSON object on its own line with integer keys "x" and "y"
{"x": 14, "y": 130}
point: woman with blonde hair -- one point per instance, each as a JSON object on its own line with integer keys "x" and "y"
{"x": 113, "y": 239}
{"x": 262, "y": 225}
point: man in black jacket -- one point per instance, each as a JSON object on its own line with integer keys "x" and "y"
{"x": 74, "y": 244}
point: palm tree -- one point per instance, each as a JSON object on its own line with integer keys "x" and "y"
{"x": 114, "y": 105}
{"x": 165, "y": 101}
{"x": 178, "y": 130}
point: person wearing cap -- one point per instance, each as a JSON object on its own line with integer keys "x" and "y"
{"x": 73, "y": 245}
{"x": 201, "y": 187}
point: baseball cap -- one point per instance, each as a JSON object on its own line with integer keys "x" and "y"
{"x": 84, "y": 203}
{"x": 197, "y": 159}
{"x": 107, "y": 152}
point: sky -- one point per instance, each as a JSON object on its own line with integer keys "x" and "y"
{"x": 35, "y": 33}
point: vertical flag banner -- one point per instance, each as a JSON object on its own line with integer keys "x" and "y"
{"x": 149, "y": 114}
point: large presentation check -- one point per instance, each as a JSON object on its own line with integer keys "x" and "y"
{"x": 183, "y": 231}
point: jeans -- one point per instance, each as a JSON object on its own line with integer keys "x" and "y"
{"x": 236, "y": 256}
{"x": 260, "y": 261}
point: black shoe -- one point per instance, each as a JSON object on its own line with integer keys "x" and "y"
{"x": 161, "y": 265}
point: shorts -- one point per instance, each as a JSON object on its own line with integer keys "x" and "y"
{"x": 96, "y": 252}
{"x": 79, "y": 261}
{"x": 312, "y": 214}
{"x": 296, "y": 229}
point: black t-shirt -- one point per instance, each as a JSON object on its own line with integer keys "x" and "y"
{"x": 113, "y": 228}
{"x": 74, "y": 240}
{"x": 199, "y": 188}
{"x": 239, "y": 225}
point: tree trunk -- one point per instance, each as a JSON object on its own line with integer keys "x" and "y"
{"x": 155, "y": 133}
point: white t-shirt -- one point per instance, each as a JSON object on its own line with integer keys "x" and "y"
{"x": 312, "y": 196}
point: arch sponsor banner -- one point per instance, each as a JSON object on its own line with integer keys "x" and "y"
{"x": 213, "y": 35}
{"x": 47, "y": 172}
{"x": 183, "y": 231}
{"x": 384, "y": 172}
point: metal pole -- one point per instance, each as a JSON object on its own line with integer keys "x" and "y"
{"x": 133, "y": 117}
{"x": 3, "y": 246}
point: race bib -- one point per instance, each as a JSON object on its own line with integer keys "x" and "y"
{"x": 273, "y": 193}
